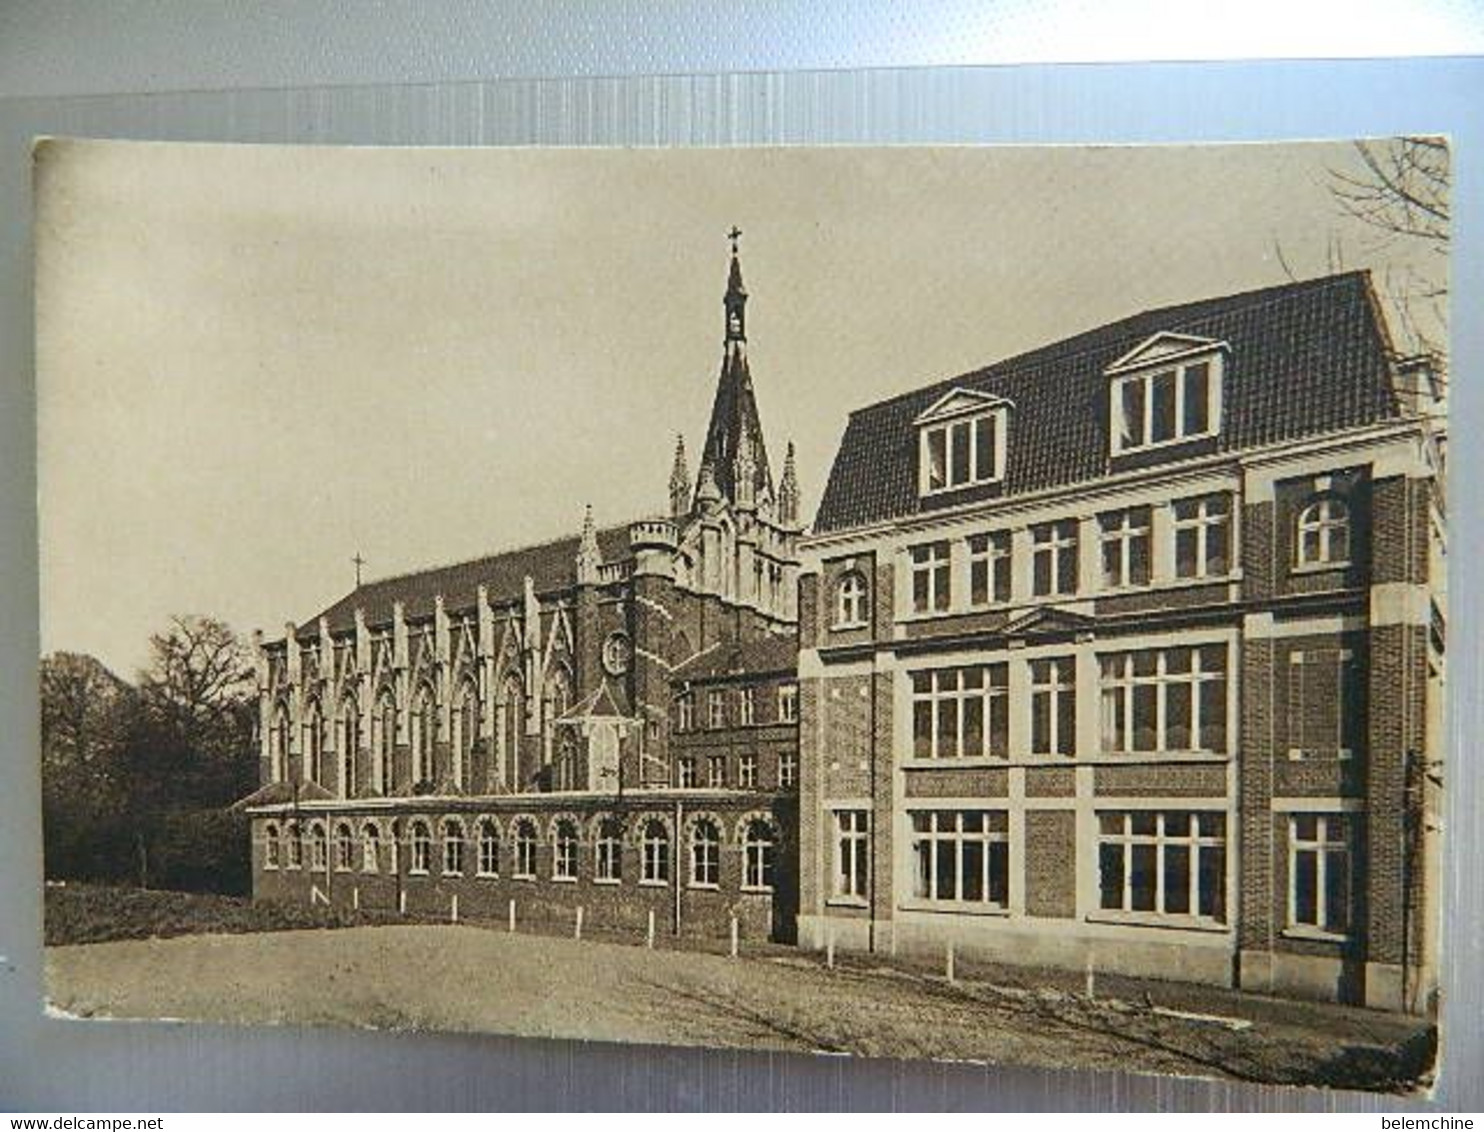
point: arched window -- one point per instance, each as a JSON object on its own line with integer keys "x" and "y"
{"x": 422, "y": 847}
{"x": 314, "y": 744}
{"x": 344, "y": 848}
{"x": 383, "y": 739}
{"x": 347, "y": 743}
{"x": 424, "y": 727}
{"x": 564, "y": 855}
{"x": 525, "y": 849}
{"x": 654, "y": 852}
{"x": 850, "y": 600}
{"x": 465, "y": 729}
{"x": 270, "y": 846}
{"x": 295, "y": 845}
{"x": 705, "y": 854}
{"x": 568, "y": 754}
{"x": 319, "y": 855}
{"x": 1324, "y": 532}
{"x": 278, "y": 743}
{"x": 489, "y": 849}
{"x": 453, "y": 847}
{"x": 758, "y": 847}
{"x": 556, "y": 698}
{"x": 508, "y": 723}
{"x": 609, "y": 862}
{"x": 370, "y": 848}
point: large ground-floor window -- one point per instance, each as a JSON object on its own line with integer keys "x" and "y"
{"x": 852, "y": 854}
{"x": 1319, "y": 872}
{"x": 1163, "y": 862}
{"x": 962, "y": 856}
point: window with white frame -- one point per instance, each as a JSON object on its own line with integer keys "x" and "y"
{"x": 295, "y": 842}
{"x": 716, "y": 709}
{"x": 1168, "y": 405}
{"x": 850, "y": 600}
{"x": 422, "y": 847}
{"x": 759, "y": 843}
{"x": 345, "y": 852}
{"x": 716, "y": 771}
{"x": 962, "y": 451}
{"x": 989, "y": 568}
{"x": 453, "y": 848}
{"x": 747, "y": 706}
{"x": 1163, "y": 863}
{"x": 961, "y": 713}
{"x": 852, "y": 854}
{"x": 1054, "y": 558}
{"x": 489, "y": 848}
{"x": 319, "y": 848}
{"x": 1325, "y": 705}
{"x": 685, "y": 772}
{"x": 685, "y": 712}
{"x": 1125, "y": 545}
{"x": 788, "y": 769}
{"x": 525, "y": 849}
{"x": 747, "y": 770}
{"x": 1164, "y": 700}
{"x": 1319, "y": 873}
{"x": 961, "y": 856}
{"x": 931, "y": 577}
{"x": 271, "y": 854}
{"x": 1202, "y": 528}
{"x": 608, "y": 852}
{"x": 705, "y": 854}
{"x": 788, "y": 703}
{"x": 564, "y": 850}
{"x": 1324, "y": 533}
{"x": 370, "y": 848}
{"x": 654, "y": 853}
{"x": 1054, "y": 705}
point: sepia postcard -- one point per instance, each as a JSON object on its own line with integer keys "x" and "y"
{"x": 984, "y": 604}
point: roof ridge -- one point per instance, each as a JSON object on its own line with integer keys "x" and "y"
{"x": 1272, "y": 293}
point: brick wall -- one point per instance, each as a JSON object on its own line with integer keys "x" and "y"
{"x": 1051, "y": 863}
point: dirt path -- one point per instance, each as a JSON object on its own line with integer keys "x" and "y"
{"x": 464, "y": 978}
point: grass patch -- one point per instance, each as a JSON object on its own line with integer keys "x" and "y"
{"x": 88, "y": 913}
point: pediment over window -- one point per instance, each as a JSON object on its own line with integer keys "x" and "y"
{"x": 1166, "y": 346}
{"x": 957, "y": 402}
{"x": 1049, "y": 623}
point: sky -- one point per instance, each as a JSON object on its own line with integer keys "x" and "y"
{"x": 256, "y": 362}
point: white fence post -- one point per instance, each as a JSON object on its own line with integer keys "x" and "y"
{"x": 734, "y": 937}
{"x": 649, "y": 935}
{"x": 453, "y": 909}
{"x": 512, "y": 914}
{"x": 949, "y": 962}
{"x": 577, "y": 930}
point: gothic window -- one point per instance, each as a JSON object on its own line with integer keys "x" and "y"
{"x": 422, "y": 847}
{"x": 609, "y": 862}
{"x": 278, "y": 743}
{"x": 383, "y": 740}
{"x": 344, "y": 848}
{"x": 453, "y": 847}
{"x": 555, "y": 700}
{"x": 564, "y": 846}
{"x": 509, "y": 721}
{"x": 759, "y": 843}
{"x": 850, "y": 601}
{"x": 525, "y": 849}
{"x": 270, "y": 846}
{"x": 314, "y": 744}
{"x": 1324, "y": 533}
{"x": 489, "y": 849}
{"x": 348, "y": 741}
{"x": 705, "y": 854}
{"x": 424, "y": 728}
{"x": 465, "y": 729}
{"x": 370, "y": 848}
{"x": 569, "y": 753}
{"x": 654, "y": 851}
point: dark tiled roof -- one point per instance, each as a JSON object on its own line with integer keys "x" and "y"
{"x": 773, "y": 653}
{"x": 551, "y": 565}
{"x": 733, "y": 417}
{"x": 1305, "y": 358}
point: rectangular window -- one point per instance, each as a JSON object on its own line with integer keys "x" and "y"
{"x": 716, "y": 709}
{"x": 1163, "y": 863}
{"x": 788, "y": 703}
{"x": 1203, "y": 536}
{"x": 1125, "y": 546}
{"x": 1054, "y": 558}
{"x": 1054, "y": 706}
{"x": 1319, "y": 874}
{"x": 1325, "y": 703}
{"x": 686, "y": 773}
{"x": 747, "y": 771}
{"x": 989, "y": 568}
{"x": 788, "y": 769}
{"x": 1164, "y": 407}
{"x": 961, "y": 856}
{"x": 930, "y": 577}
{"x": 1165, "y": 700}
{"x": 961, "y": 713}
{"x": 685, "y": 713}
{"x": 747, "y": 706}
{"x": 852, "y": 854}
{"x": 716, "y": 771}
{"x": 961, "y": 452}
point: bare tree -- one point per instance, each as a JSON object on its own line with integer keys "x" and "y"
{"x": 199, "y": 677}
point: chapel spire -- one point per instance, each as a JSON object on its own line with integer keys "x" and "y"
{"x": 679, "y": 481}
{"x": 788, "y": 491}
{"x": 735, "y": 300}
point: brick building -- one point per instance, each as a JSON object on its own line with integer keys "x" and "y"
{"x": 515, "y": 736}
{"x": 1127, "y": 653}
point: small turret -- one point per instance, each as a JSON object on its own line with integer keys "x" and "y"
{"x": 788, "y": 491}
{"x": 706, "y": 490}
{"x": 679, "y": 481}
{"x": 589, "y": 558}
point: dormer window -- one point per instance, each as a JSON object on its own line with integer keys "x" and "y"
{"x": 961, "y": 441}
{"x": 1166, "y": 391}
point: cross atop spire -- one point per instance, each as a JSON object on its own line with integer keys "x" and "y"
{"x": 734, "y": 235}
